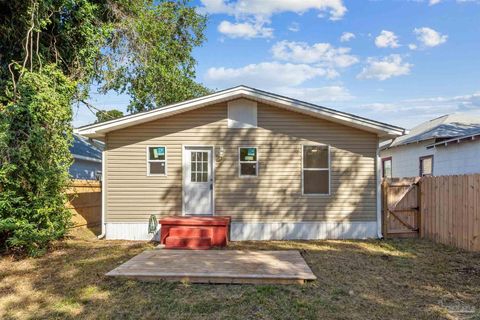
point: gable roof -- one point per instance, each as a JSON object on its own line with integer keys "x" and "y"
{"x": 444, "y": 127}
{"x": 82, "y": 149}
{"x": 99, "y": 130}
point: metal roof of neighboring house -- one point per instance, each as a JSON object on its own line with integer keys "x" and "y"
{"x": 98, "y": 130}
{"x": 86, "y": 150}
{"x": 449, "y": 142}
{"x": 445, "y": 127}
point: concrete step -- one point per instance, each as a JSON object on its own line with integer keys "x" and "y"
{"x": 197, "y": 243}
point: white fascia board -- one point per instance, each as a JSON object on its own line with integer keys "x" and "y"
{"x": 99, "y": 130}
{"x": 330, "y": 115}
{"x": 382, "y": 130}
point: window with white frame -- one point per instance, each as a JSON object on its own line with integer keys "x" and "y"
{"x": 316, "y": 169}
{"x": 157, "y": 161}
{"x": 248, "y": 162}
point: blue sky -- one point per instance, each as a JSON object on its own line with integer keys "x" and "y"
{"x": 401, "y": 62}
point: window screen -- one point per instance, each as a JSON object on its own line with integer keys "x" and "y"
{"x": 157, "y": 161}
{"x": 316, "y": 170}
{"x": 248, "y": 162}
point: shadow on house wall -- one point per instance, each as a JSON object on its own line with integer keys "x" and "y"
{"x": 276, "y": 194}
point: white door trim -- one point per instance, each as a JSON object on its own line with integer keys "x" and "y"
{"x": 184, "y": 150}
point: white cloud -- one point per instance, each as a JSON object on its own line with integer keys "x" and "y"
{"x": 245, "y": 30}
{"x": 387, "y": 67}
{"x": 433, "y": 2}
{"x": 272, "y": 74}
{"x": 412, "y": 46}
{"x": 294, "y": 27}
{"x": 347, "y": 36}
{"x": 266, "y": 8}
{"x": 386, "y": 39}
{"x": 323, "y": 54}
{"x": 317, "y": 94}
{"x": 411, "y": 112}
{"x": 429, "y": 37}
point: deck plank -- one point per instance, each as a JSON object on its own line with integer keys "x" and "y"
{"x": 217, "y": 266}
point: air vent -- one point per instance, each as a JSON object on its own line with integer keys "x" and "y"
{"x": 242, "y": 113}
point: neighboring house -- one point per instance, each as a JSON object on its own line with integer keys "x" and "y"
{"x": 279, "y": 167}
{"x": 87, "y": 159}
{"x": 447, "y": 145}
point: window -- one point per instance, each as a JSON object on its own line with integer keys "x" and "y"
{"x": 387, "y": 167}
{"x": 316, "y": 170}
{"x": 199, "y": 166}
{"x": 426, "y": 166}
{"x": 157, "y": 161}
{"x": 248, "y": 160}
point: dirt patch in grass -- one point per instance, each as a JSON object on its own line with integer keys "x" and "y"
{"x": 356, "y": 280}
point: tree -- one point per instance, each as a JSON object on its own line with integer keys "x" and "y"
{"x": 51, "y": 51}
{"x": 108, "y": 115}
{"x": 34, "y": 152}
{"x": 151, "y": 56}
{"x": 142, "y": 47}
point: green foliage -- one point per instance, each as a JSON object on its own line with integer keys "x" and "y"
{"x": 141, "y": 47}
{"x": 105, "y": 115}
{"x": 35, "y": 134}
{"x": 151, "y": 53}
{"x": 69, "y": 33}
{"x": 51, "y": 51}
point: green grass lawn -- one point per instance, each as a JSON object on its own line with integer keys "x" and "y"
{"x": 356, "y": 280}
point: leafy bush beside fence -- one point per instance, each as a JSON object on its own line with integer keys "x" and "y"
{"x": 35, "y": 134}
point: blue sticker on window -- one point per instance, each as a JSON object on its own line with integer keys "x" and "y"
{"x": 158, "y": 152}
{"x": 251, "y": 151}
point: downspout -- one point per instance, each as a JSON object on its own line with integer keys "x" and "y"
{"x": 104, "y": 193}
{"x": 379, "y": 192}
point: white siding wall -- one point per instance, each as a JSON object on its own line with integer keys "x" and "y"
{"x": 405, "y": 159}
{"x": 462, "y": 158}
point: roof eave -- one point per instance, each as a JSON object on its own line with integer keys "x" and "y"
{"x": 382, "y": 130}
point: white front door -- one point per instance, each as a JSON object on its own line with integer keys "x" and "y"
{"x": 198, "y": 181}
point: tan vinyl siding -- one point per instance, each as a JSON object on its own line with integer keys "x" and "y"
{"x": 275, "y": 195}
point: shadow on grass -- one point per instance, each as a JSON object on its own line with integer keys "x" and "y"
{"x": 356, "y": 280}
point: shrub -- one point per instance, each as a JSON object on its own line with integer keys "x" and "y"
{"x": 35, "y": 134}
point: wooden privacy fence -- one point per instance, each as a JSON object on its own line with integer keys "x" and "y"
{"x": 445, "y": 209}
{"x": 450, "y": 209}
{"x": 85, "y": 202}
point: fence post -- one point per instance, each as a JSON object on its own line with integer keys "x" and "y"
{"x": 385, "y": 208}
{"x": 420, "y": 195}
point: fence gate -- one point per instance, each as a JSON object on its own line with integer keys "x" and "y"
{"x": 401, "y": 207}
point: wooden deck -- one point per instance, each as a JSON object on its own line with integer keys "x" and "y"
{"x": 217, "y": 266}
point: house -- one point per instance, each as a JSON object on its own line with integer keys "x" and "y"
{"x": 448, "y": 145}
{"x": 87, "y": 159}
{"x": 279, "y": 167}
